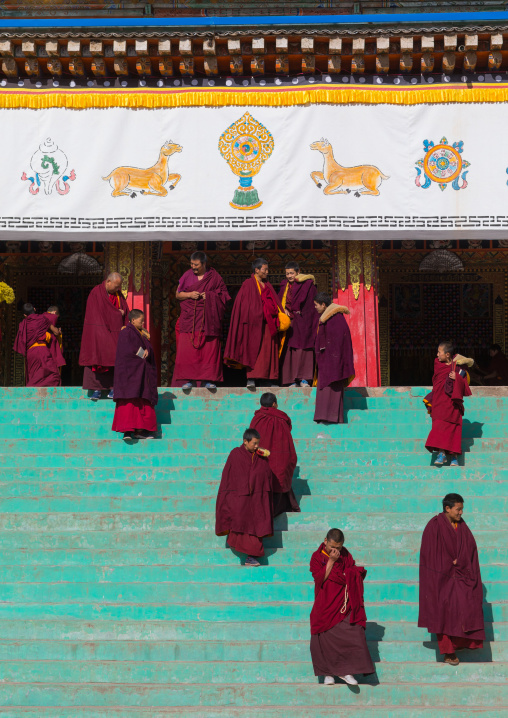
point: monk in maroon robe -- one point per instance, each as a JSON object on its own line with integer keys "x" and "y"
{"x": 296, "y": 295}
{"x": 253, "y": 338}
{"x": 334, "y": 360}
{"x": 337, "y": 621}
{"x": 445, "y": 404}
{"x": 135, "y": 381}
{"x": 203, "y": 297}
{"x": 451, "y": 593}
{"x": 244, "y": 503}
{"x": 33, "y": 341}
{"x": 106, "y": 314}
{"x": 497, "y": 371}
{"x": 274, "y": 427}
{"x": 56, "y": 345}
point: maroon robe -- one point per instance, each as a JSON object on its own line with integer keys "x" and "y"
{"x": 451, "y": 595}
{"x": 337, "y": 625}
{"x": 297, "y": 359}
{"x": 103, "y": 323}
{"x": 40, "y": 367}
{"x": 334, "y": 361}
{"x": 244, "y": 501}
{"x": 446, "y": 406}
{"x": 55, "y": 347}
{"x": 198, "y": 354}
{"x": 253, "y": 339}
{"x": 274, "y": 427}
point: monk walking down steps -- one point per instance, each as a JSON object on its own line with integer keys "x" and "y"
{"x": 451, "y": 593}
{"x": 445, "y": 404}
{"x": 337, "y": 621}
{"x": 244, "y": 510}
{"x": 274, "y": 428}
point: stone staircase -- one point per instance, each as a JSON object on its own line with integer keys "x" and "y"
{"x": 117, "y": 599}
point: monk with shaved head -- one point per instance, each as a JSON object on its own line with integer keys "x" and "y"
{"x": 106, "y": 315}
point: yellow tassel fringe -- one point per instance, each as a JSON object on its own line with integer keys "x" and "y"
{"x": 82, "y": 99}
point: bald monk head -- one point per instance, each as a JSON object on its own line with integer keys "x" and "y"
{"x": 113, "y": 283}
{"x": 268, "y": 400}
{"x": 28, "y": 309}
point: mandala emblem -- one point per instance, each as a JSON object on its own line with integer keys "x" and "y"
{"x": 442, "y": 164}
{"x": 246, "y": 145}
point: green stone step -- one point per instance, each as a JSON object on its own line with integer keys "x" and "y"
{"x": 314, "y": 488}
{"x": 385, "y": 651}
{"x": 209, "y": 574}
{"x": 214, "y": 557}
{"x": 221, "y": 672}
{"x": 396, "y": 610}
{"x": 198, "y": 631}
{"x": 205, "y": 521}
{"x": 465, "y": 693}
{"x": 30, "y": 531}
{"x": 239, "y": 593}
{"x": 315, "y": 711}
{"x": 168, "y": 458}
{"x": 188, "y": 476}
{"x": 303, "y": 428}
{"x": 332, "y": 507}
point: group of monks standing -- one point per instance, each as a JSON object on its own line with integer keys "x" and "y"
{"x": 297, "y": 337}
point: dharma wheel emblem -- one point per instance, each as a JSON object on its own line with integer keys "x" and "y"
{"x": 442, "y": 164}
{"x": 246, "y": 145}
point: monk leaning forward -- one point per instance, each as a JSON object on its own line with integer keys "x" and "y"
{"x": 253, "y": 338}
{"x": 451, "y": 593}
{"x": 33, "y": 341}
{"x": 244, "y": 503}
{"x": 297, "y": 293}
{"x": 203, "y": 297}
{"x": 334, "y": 360}
{"x": 135, "y": 381}
{"x": 274, "y": 427}
{"x": 106, "y": 314}
{"x": 445, "y": 404}
{"x": 337, "y": 621}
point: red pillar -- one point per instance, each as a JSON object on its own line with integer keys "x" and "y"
{"x": 356, "y": 282}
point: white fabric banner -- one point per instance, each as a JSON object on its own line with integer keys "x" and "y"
{"x": 334, "y": 171}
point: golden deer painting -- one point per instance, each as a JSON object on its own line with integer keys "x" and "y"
{"x": 361, "y": 180}
{"x": 128, "y": 181}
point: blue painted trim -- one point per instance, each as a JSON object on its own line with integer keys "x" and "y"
{"x": 287, "y": 20}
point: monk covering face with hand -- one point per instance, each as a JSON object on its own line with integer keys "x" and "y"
{"x": 451, "y": 594}
{"x": 337, "y": 621}
{"x": 297, "y": 294}
{"x": 135, "y": 381}
{"x": 55, "y": 345}
{"x": 244, "y": 503}
{"x": 33, "y": 341}
{"x": 274, "y": 427}
{"x": 253, "y": 338}
{"x": 445, "y": 404}
{"x": 106, "y": 314}
{"x": 203, "y": 297}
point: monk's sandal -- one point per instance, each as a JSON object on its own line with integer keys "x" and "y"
{"x": 451, "y": 659}
{"x": 440, "y": 459}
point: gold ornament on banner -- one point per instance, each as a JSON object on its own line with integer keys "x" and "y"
{"x": 355, "y": 265}
{"x": 246, "y": 145}
{"x": 367, "y": 265}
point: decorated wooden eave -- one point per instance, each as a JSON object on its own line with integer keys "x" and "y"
{"x": 249, "y": 50}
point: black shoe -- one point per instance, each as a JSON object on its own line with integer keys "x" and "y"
{"x": 128, "y": 437}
